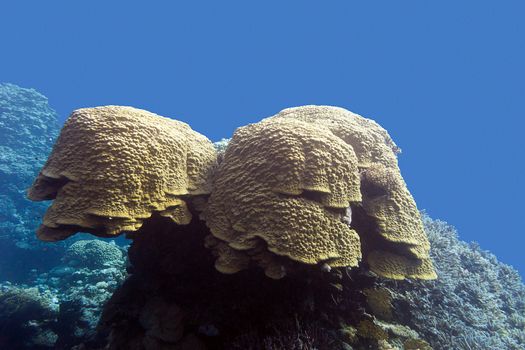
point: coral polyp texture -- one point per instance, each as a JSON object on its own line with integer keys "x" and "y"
{"x": 397, "y": 242}
{"x": 113, "y": 166}
{"x": 371, "y": 143}
{"x": 312, "y": 185}
{"x": 288, "y": 182}
{"x": 394, "y": 241}
{"x": 284, "y": 185}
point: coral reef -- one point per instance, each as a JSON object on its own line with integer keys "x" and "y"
{"x": 476, "y": 303}
{"x": 27, "y": 316}
{"x": 112, "y": 166}
{"x": 308, "y": 169}
{"x": 284, "y": 191}
{"x": 313, "y": 195}
{"x": 93, "y": 254}
{"x": 28, "y": 127}
{"x": 61, "y": 308}
{"x": 279, "y": 182}
{"x": 90, "y": 273}
{"x": 174, "y": 294}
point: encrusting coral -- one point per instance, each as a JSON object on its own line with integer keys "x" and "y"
{"x": 112, "y": 166}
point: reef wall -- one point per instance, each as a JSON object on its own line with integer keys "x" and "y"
{"x": 476, "y": 303}
{"x": 28, "y": 127}
{"x": 60, "y": 308}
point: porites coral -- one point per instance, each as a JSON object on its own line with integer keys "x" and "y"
{"x": 288, "y": 181}
{"x": 112, "y": 166}
{"x": 387, "y": 219}
{"x": 284, "y": 184}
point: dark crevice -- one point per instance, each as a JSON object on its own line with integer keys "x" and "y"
{"x": 46, "y": 188}
{"x": 370, "y": 237}
{"x": 315, "y": 196}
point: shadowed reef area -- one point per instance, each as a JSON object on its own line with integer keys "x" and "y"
{"x": 297, "y": 233}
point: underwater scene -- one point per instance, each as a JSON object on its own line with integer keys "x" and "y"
{"x": 124, "y": 229}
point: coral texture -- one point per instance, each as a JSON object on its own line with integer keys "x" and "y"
{"x": 387, "y": 220}
{"x": 370, "y": 141}
{"x": 303, "y": 171}
{"x": 94, "y": 254}
{"x": 112, "y": 166}
{"x": 281, "y": 185}
{"x": 312, "y": 185}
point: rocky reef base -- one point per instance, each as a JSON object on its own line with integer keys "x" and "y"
{"x": 175, "y": 299}
{"x": 60, "y": 308}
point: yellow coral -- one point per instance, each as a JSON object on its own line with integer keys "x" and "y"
{"x": 387, "y": 200}
{"x": 397, "y": 246}
{"x": 368, "y": 329}
{"x": 380, "y": 301}
{"x": 416, "y": 344}
{"x": 370, "y": 141}
{"x": 283, "y": 190}
{"x": 391, "y": 222}
{"x": 394, "y": 266}
{"x": 284, "y": 184}
{"x": 228, "y": 260}
{"x": 112, "y": 166}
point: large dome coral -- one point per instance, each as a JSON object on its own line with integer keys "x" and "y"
{"x": 284, "y": 185}
{"x": 113, "y": 166}
{"x": 287, "y": 182}
{"x": 312, "y": 185}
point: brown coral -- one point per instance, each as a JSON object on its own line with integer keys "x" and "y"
{"x": 112, "y": 166}
{"x": 397, "y": 245}
{"x": 388, "y": 221}
{"x": 369, "y": 329}
{"x": 312, "y": 184}
{"x": 370, "y": 142}
{"x": 380, "y": 302}
{"x": 284, "y": 185}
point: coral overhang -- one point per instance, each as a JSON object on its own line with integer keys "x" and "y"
{"x": 280, "y": 195}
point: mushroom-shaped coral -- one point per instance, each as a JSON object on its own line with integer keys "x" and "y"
{"x": 388, "y": 222}
{"x": 113, "y": 166}
{"x": 396, "y": 243}
{"x": 283, "y": 187}
{"x": 287, "y": 181}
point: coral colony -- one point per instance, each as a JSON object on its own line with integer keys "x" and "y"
{"x": 297, "y": 233}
